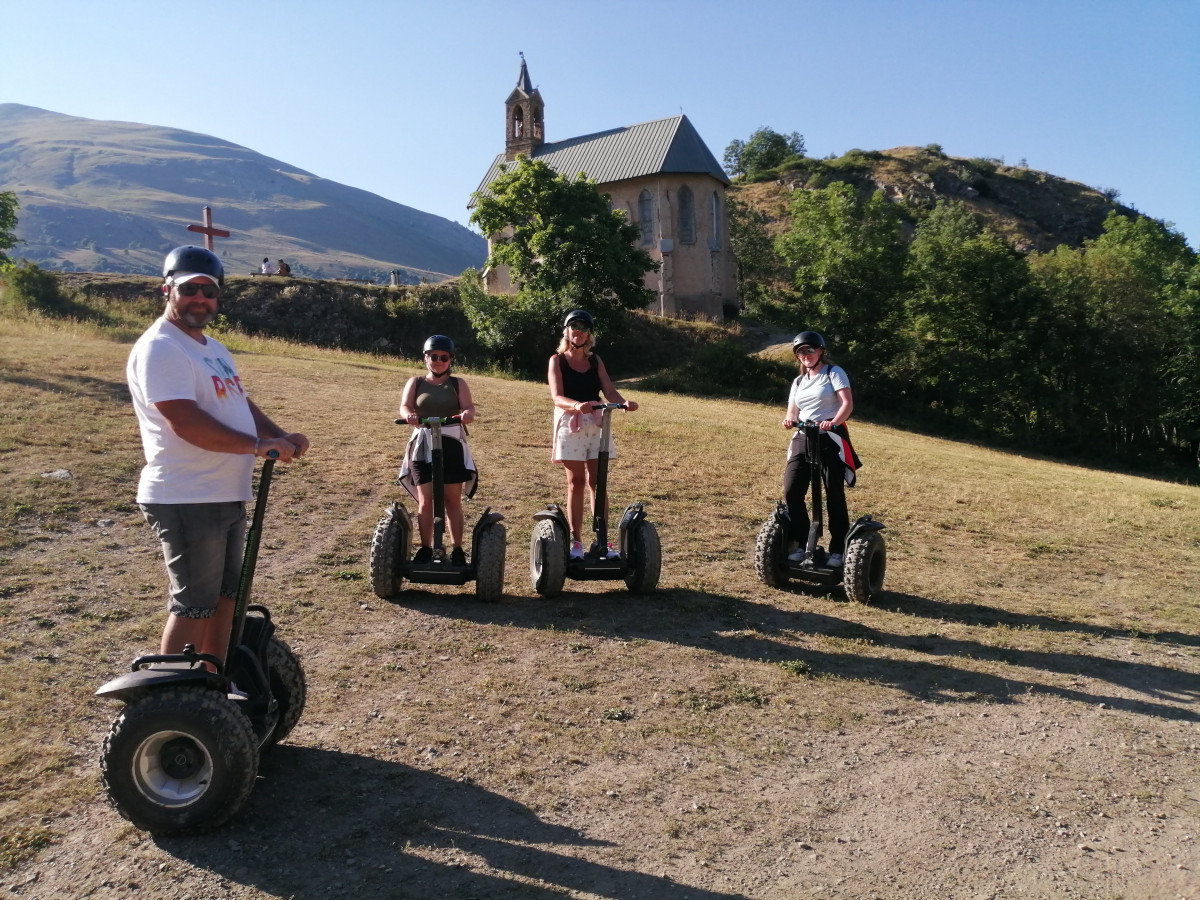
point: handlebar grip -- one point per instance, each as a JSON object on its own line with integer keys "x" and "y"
{"x": 272, "y": 454}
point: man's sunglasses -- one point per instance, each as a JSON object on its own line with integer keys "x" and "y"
{"x": 439, "y": 357}
{"x": 190, "y": 288}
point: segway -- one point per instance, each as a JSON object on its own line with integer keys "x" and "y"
{"x": 391, "y": 547}
{"x": 864, "y": 558}
{"x": 636, "y": 556}
{"x": 183, "y": 755}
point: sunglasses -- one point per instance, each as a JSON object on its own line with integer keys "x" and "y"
{"x": 579, "y": 326}
{"x": 190, "y": 289}
{"x": 807, "y": 351}
{"x": 439, "y": 357}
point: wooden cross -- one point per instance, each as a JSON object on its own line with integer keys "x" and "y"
{"x": 207, "y": 230}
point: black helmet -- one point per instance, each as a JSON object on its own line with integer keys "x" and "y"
{"x": 194, "y": 259}
{"x": 439, "y": 342}
{"x": 580, "y": 315}
{"x": 811, "y": 338}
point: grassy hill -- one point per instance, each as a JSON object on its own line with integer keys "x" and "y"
{"x": 1034, "y": 210}
{"x": 1017, "y": 717}
{"x": 110, "y": 196}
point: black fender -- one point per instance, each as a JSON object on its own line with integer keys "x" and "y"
{"x": 862, "y": 525}
{"x": 554, "y": 512}
{"x": 631, "y": 520}
{"x": 130, "y": 685}
{"x": 486, "y": 520}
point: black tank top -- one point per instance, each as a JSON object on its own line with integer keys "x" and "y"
{"x": 580, "y": 386}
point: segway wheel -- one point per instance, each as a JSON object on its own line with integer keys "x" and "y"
{"x": 385, "y": 569}
{"x": 288, "y": 687}
{"x": 644, "y": 569}
{"x": 865, "y": 564}
{"x": 548, "y": 558}
{"x": 180, "y": 760}
{"x": 488, "y": 556}
{"x": 769, "y": 557}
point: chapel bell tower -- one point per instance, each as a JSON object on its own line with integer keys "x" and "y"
{"x": 524, "y": 126}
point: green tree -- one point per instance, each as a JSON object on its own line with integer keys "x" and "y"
{"x": 765, "y": 149}
{"x": 968, "y": 307}
{"x": 846, "y": 257}
{"x": 561, "y": 241}
{"x": 8, "y": 226}
{"x": 758, "y": 265}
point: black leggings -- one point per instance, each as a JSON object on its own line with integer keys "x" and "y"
{"x": 796, "y": 479}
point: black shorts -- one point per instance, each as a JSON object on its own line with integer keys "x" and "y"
{"x": 454, "y": 470}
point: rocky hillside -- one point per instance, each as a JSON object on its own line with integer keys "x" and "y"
{"x": 1034, "y": 210}
{"x": 113, "y": 196}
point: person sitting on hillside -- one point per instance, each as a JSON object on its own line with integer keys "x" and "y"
{"x": 283, "y": 268}
{"x": 268, "y": 267}
{"x": 438, "y": 393}
{"x": 577, "y": 377}
{"x": 820, "y": 393}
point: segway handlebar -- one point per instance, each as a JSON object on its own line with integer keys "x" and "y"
{"x": 597, "y": 406}
{"x": 434, "y": 420}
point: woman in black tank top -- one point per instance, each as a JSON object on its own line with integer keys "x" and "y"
{"x": 577, "y": 377}
{"x": 437, "y": 393}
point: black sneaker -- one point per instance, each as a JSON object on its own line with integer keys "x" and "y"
{"x": 423, "y": 557}
{"x": 457, "y": 557}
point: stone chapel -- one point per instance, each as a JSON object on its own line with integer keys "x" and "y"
{"x": 664, "y": 177}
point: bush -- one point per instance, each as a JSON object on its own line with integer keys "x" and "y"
{"x": 32, "y": 289}
{"x": 724, "y": 370}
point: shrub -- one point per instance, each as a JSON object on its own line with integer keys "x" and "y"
{"x": 724, "y": 370}
{"x": 32, "y": 289}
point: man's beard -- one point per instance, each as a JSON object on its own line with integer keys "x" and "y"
{"x": 196, "y": 318}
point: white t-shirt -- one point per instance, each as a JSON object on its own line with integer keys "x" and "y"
{"x": 816, "y": 395}
{"x": 166, "y": 364}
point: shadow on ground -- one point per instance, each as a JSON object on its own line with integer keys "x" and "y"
{"x": 768, "y": 632}
{"x": 323, "y": 823}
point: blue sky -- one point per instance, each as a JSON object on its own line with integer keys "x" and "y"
{"x": 405, "y": 99}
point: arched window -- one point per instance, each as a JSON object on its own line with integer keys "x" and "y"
{"x": 715, "y": 241}
{"x": 537, "y": 122}
{"x": 646, "y": 217}
{"x": 518, "y": 122}
{"x": 687, "y": 216}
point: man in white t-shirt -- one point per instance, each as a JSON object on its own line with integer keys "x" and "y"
{"x": 200, "y": 433}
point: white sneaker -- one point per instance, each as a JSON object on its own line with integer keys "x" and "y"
{"x": 576, "y": 549}
{"x": 236, "y": 693}
{"x": 834, "y": 560}
{"x": 797, "y": 557}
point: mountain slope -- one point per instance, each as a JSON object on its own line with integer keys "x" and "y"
{"x": 113, "y": 196}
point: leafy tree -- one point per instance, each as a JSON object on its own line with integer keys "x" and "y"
{"x": 846, "y": 256}
{"x": 8, "y": 225}
{"x": 968, "y": 306}
{"x": 758, "y": 265}
{"x": 561, "y": 241}
{"x": 1145, "y": 295}
{"x": 765, "y": 149}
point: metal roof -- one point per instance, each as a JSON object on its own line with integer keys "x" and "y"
{"x": 652, "y": 148}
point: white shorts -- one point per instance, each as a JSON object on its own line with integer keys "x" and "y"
{"x": 580, "y": 445}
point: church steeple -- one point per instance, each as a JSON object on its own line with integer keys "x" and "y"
{"x": 524, "y": 126}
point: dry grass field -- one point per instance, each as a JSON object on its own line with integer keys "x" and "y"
{"x": 1017, "y": 718}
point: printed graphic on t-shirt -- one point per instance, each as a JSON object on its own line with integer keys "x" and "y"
{"x": 226, "y": 381}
